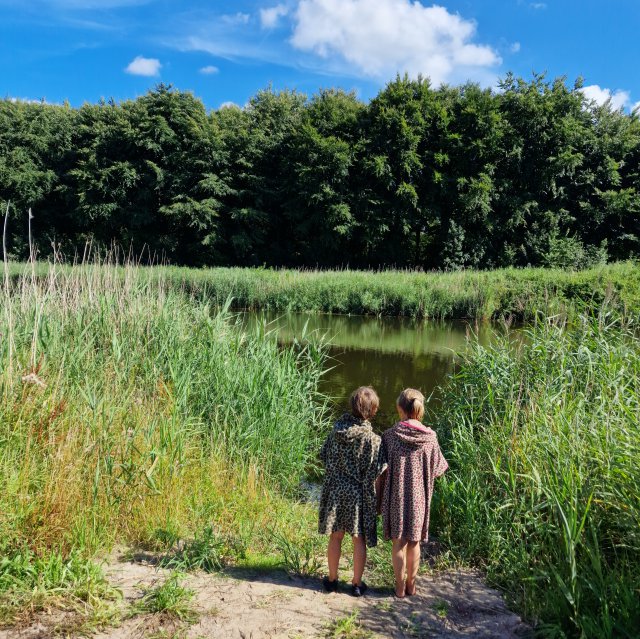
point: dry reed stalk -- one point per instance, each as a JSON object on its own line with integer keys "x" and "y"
{"x": 7, "y": 296}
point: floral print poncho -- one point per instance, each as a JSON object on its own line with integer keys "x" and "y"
{"x": 353, "y": 461}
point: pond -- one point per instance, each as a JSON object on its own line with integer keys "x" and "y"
{"x": 387, "y": 353}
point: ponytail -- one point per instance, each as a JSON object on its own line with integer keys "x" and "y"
{"x": 412, "y": 403}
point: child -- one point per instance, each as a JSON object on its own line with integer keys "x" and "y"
{"x": 351, "y": 455}
{"x": 414, "y": 461}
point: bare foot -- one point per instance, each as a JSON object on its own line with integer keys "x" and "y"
{"x": 410, "y": 588}
{"x": 400, "y": 591}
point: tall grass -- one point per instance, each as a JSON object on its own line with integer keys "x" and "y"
{"x": 522, "y": 293}
{"x": 127, "y": 408}
{"x": 544, "y": 487}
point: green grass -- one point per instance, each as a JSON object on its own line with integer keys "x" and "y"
{"x": 126, "y": 408}
{"x": 347, "y": 627}
{"x": 544, "y": 485}
{"x": 133, "y": 415}
{"x": 208, "y": 551}
{"x": 30, "y": 584}
{"x": 170, "y": 598}
{"x": 521, "y": 293}
{"x": 300, "y": 554}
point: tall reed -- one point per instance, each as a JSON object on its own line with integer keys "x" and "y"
{"x": 520, "y": 293}
{"x": 130, "y": 407}
{"x": 544, "y": 487}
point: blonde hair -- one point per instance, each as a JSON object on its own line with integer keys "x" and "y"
{"x": 411, "y": 401}
{"x": 364, "y": 402}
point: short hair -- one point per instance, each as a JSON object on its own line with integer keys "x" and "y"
{"x": 364, "y": 402}
{"x": 412, "y": 403}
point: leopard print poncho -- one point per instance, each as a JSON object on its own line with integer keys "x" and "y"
{"x": 353, "y": 460}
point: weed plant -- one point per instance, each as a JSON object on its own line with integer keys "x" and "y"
{"x": 208, "y": 551}
{"x": 30, "y": 584}
{"x": 170, "y": 598}
{"x": 348, "y": 627}
{"x": 544, "y": 485}
{"x": 299, "y": 556}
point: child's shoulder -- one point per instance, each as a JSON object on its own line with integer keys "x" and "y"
{"x": 390, "y": 431}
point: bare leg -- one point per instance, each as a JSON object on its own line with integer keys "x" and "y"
{"x": 398, "y": 555}
{"x": 333, "y": 553}
{"x": 359, "y": 559}
{"x": 413, "y": 563}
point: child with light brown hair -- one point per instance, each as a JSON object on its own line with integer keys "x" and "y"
{"x": 352, "y": 459}
{"x": 414, "y": 461}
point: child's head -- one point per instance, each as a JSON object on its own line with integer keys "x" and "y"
{"x": 410, "y": 404}
{"x": 364, "y": 402}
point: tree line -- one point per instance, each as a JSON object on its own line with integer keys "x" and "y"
{"x": 420, "y": 177}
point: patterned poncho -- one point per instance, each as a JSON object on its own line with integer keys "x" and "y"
{"x": 352, "y": 459}
{"x": 414, "y": 461}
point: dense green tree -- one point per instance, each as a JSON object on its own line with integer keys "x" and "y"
{"x": 320, "y": 156}
{"x": 35, "y": 144}
{"x": 143, "y": 176}
{"x": 453, "y": 177}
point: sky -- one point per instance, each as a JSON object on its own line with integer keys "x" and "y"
{"x": 224, "y": 51}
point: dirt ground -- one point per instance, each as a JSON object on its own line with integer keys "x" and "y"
{"x": 253, "y": 605}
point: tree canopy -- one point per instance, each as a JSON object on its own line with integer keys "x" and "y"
{"x": 448, "y": 177}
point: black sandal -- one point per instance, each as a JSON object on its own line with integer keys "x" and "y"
{"x": 359, "y": 590}
{"x": 330, "y": 586}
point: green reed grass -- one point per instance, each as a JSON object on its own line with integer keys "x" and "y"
{"x": 521, "y": 293}
{"x": 128, "y": 408}
{"x": 544, "y": 485}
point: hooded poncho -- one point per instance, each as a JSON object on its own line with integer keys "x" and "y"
{"x": 414, "y": 460}
{"x": 352, "y": 459}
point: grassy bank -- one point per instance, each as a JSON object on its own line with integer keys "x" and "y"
{"x": 521, "y": 293}
{"x": 132, "y": 415}
{"x": 544, "y": 487}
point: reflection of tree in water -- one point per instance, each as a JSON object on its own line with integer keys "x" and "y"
{"x": 387, "y": 373}
{"x": 389, "y": 334}
{"x": 386, "y": 353}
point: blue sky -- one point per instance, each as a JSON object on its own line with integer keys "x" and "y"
{"x": 223, "y": 51}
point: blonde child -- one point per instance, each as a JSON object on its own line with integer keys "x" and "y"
{"x": 414, "y": 461}
{"x": 352, "y": 459}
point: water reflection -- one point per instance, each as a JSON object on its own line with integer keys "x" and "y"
{"x": 386, "y": 353}
{"x": 388, "y": 373}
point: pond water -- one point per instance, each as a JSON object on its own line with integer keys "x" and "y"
{"x": 387, "y": 353}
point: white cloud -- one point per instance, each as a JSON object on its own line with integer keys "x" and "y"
{"x": 538, "y": 5}
{"x": 229, "y": 105}
{"x": 144, "y": 66}
{"x": 515, "y": 47}
{"x": 236, "y": 18}
{"x": 270, "y": 17}
{"x": 27, "y": 101}
{"x": 209, "y": 70}
{"x": 619, "y": 99}
{"x": 635, "y": 107}
{"x": 379, "y": 39}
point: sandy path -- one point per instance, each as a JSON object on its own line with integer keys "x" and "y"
{"x": 252, "y": 605}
